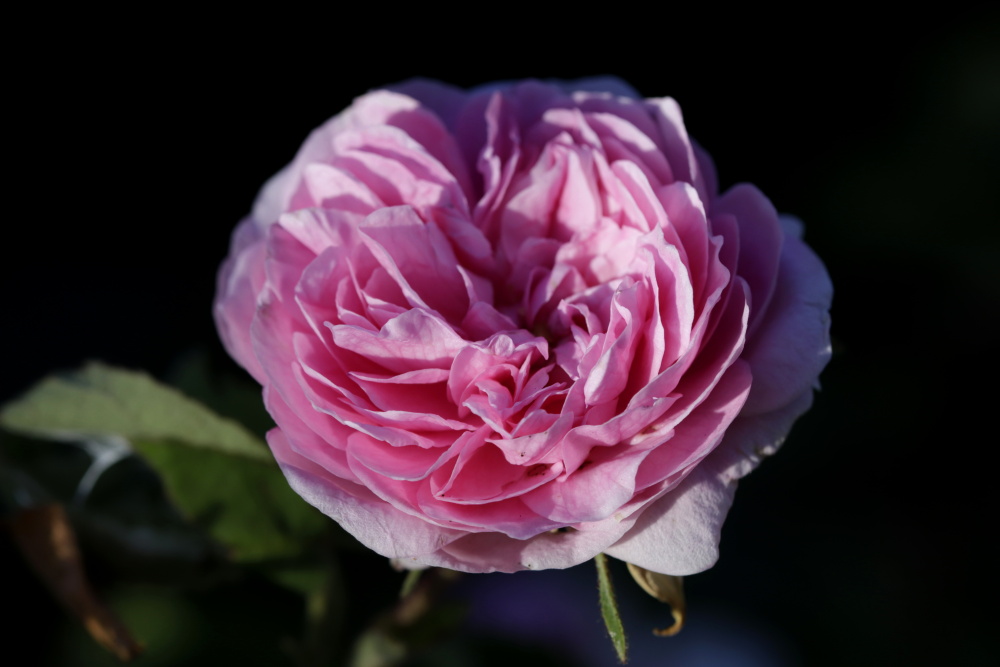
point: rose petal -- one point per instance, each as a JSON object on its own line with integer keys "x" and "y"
{"x": 750, "y": 439}
{"x": 760, "y": 242}
{"x": 679, "y": 533}
{"x": 792, "y": 344}
{"x": 419, "y": 259}
{"x": 413, "y": 341}
{"x": 494, "y": 552}
{"x": 375, "y": 523}
{"x": 241, "y": 279}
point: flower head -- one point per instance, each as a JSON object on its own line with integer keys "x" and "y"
{"x": 516, "y": 327}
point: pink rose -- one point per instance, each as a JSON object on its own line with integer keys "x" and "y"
{"x": 516, "y": 327}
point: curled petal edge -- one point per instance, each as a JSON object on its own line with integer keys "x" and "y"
{"x": 680, "y": 533}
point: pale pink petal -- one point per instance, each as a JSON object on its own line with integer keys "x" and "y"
{"x": 422, "y": 125}
{"x": 421, "y": 391}
{"x": 241, "y": 279}
{"x": 494, "y": 552}
{"x": 760, "y": 242}
{"x": 489, "y": 123}
{"x": 750, "y": 439}
{"x": 610, "y": 374}
{"x": 483, "y": 474}
{"x": 331, "y": 188}
{"x": 626, "y": 143}
{"x": 375, "y": 523}
{"x": 413, "y": 341}
{"x": 679, "y": 533}
{"x": 509, "y": 516}
{"x": 792, "y": 344}
{"x": 395, "y": 462}
{"x": 676, "y": 145}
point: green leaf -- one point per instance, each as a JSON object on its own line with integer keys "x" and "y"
{"x": 216, "y": 386}
{"x": 125, "y": 520}
{"x": 99, "y": 400}
{"x": 609, "y": 608}
{"x": 219, "y": 475}
{"x": 303, "y": 578}
{"x": 247, "y": 505}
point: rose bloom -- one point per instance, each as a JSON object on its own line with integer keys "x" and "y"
{"x": 516, "y": 327}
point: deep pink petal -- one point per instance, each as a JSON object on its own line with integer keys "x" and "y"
{"x": 419, "y": 258}
{"x": 594, "y": 491}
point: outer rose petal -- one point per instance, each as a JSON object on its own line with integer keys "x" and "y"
{"x": 241, "y": 279}
{"x": 374, "y": 522}
{"x": 493, "y": 552}
{"x": 679, "y": 534}
{"x": 792, "y": 343}
{"x": 760, "y": 243}
{"x": 750, "y": 439}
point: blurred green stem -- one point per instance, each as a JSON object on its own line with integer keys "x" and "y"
{"x": 390, "y": 640}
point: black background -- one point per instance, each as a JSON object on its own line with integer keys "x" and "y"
{"x": 133, "y": 153}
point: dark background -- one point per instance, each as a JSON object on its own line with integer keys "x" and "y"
{"x": 865, "y": 542}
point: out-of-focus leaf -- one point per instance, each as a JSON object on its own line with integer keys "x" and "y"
{"x": 246, "y": 504}
{"x": 165, "y": 554}
{"x": 128, "y": 520}
{"x": 416, "y": 622}
{"x": 124, "y": 518}
{"x": 378, "y": 649}
{"x": 99, "y": 400}
{"x": 609, "y": 608}
{"x": 230, "y": 395}
{"x": 665, "y": 588}
{"x": 57, "y": 467}
{"x": 18, "y": 491}
{"x": 45, "y": 538}
{"x": 218, "y": 474}
{"x": 301, "y": 578}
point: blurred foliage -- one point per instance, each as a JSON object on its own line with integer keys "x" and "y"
{"x": 220, "y": 476}
{"x": 45, "y": 538}
{"x": 159, "y": 488}
{"x": 100, "y": 401}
